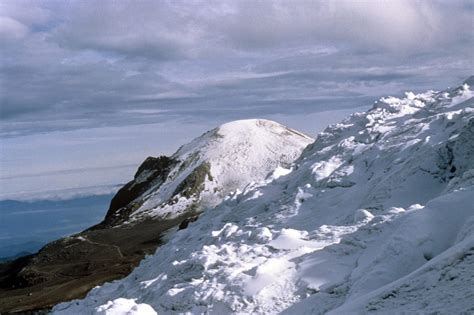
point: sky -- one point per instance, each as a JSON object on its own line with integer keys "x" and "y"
{"x": 88, "y": 89}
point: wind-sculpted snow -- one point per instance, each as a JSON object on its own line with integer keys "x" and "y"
{"x": 376, "y": 216}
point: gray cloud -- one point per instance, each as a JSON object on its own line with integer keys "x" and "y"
{"x": 105, "y": 83}
{"x": 76, "y": 64}
{"x": 170, "y": 30}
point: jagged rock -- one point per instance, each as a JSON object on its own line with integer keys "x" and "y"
{"x": 152, "y": 172}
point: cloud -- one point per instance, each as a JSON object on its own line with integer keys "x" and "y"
{"x": 147, "y": 29}
{"x": 76, "y": 64}
{"x": 168, "y": 30}
{"x": 395, "y": 26}
{"x": 99, "y": 84}
{"x": 11, "y": 29}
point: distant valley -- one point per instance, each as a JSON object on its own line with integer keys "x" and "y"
{"x": 48, "y": 220}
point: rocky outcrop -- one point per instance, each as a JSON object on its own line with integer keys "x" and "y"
{"x": 193, "y": 184}
{"x": 151, "y": 173}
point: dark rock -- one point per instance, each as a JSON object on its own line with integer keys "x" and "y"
{"x": 183, "y": 225}
{"x": 122, "y": 205}
{"x": 193, "y": 184}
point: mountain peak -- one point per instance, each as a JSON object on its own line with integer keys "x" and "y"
{"x": 242, "y": 123}
{"x": 202, "y": 172}
{"x": 256, "y": 125}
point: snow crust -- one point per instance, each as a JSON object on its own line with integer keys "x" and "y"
{"x": 375, "y": 216}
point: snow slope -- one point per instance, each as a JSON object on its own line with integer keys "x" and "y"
{"x": 218, "y": 162}
{"x": 376, "y": 216}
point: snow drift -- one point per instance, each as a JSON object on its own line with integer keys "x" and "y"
{"x": 376, "y": 215}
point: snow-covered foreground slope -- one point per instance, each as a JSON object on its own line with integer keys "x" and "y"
{"x": 377, "y": 215}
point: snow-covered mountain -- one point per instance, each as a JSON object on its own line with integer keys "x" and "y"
{"x": 377, "y": 215}
{"x": 201, "y": 173}
{"x": 166, "y": 194}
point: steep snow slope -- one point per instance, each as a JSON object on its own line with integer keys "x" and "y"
{"x": 201, "y": 173}
{"x": 377, "y": 215}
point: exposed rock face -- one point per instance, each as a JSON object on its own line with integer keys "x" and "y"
{"x": 167, "y": 193}
{"x": 193, "y": 184}
{"x": 152, "y": 172}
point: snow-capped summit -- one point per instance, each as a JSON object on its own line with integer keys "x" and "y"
{"x": 202, "y": 172}
{"x": 376, "y": 216}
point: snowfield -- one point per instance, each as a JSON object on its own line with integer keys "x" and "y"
{"x": 377, "y": 215}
